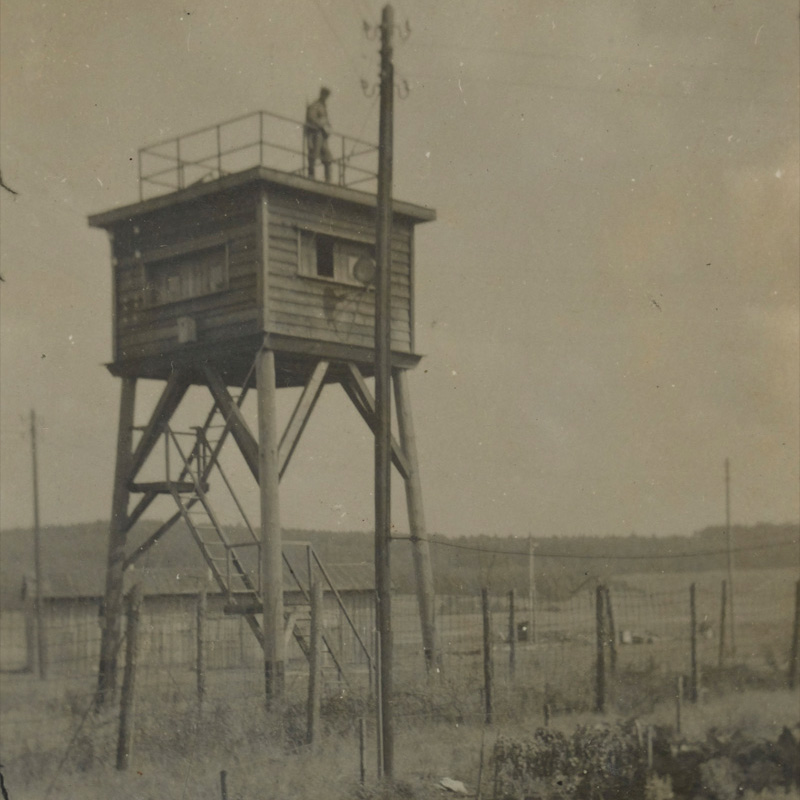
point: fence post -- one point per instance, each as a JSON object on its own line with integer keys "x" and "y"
{"x": 487, "y": 656}
{"x": 512, "y": 635}
{"x": 378, "y": 709}
{"x": 30, "y": 634}
{"x": 612, "y": 632}
{"x": 315, "y": 664}
{"x": 678, "y": 703}
{"x": 201, "y": 647}
{"x": 693, "y": 687}
{"x": 793, "y": 655}
{"x": 362, "y": 741}
{"x": 126, "y": 709}
{"x": 600, "y": 686}
{"x": 722, "y": 610}
{"x": 223, "y": 784}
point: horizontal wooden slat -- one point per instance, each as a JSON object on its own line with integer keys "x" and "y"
{"x": 364, "y": 307}
{"x": 401, "y": 345}
{"x": 360, "y": 325}
{"x": 239, "y": 238}
{"x": 194, "y": 307}
{"x": 322, "y": 211}
{"x": 400, "y": 266}
{"x": 165, "y": 487}
{"x": 167, "y": 233}
{"x": 169, "y": 322}
{"x": 286, "y": 244}
{"x": 324, "y": 330}
{"x": 283, "y": 225}
{"x": 243, "y": 327}
{"x": 151, "y": 341}
{"x": 316, "y": 287}
{"x": 164, "y": 337}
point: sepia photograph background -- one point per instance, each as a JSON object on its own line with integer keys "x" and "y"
{"x": 607, "y": 306}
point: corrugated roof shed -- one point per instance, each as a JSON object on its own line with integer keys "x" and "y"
{"x": 161, "y": 582}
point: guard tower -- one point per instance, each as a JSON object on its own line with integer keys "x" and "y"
{"x": 237, "y": 276}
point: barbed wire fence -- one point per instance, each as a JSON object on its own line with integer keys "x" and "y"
{"x": 200, "y": 678}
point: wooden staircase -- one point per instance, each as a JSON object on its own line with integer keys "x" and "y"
{"x": 235, "y": 563}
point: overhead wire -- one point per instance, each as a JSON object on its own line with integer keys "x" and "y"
{"x": 336, "y": 36}
{"x": 594, "y": 88}
{"x": 584, "y": 557}
{"x": 590, "y": 59}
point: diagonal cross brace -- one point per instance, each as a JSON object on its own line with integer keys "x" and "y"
{"x": 170, "y": 399}
{"x": 357, "y": 390}
{"x": 239, "y": 428}
{"x": 300, "y": 415}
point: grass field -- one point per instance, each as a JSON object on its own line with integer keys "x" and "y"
{"x": 52, "y": 745}
{"x": 262, "y": 765}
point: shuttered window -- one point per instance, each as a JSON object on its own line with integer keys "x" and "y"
{"x": 188, "y": 275}
{"x": 324, "y": 256}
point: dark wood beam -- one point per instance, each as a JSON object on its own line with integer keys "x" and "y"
{"x": 139, "y": 509}
{"x": 357, "y": 390}
{"x": 300, "y": 415}
{"x": 154, "y": 537}
{"x": 111, "y": 634}
{"x": 173, "y": 393}
{"x": 151, "y": 494}
{"x": 165, "y": 487}
{"x": 234, "y": 419}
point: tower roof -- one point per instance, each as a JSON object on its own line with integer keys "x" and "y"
{"x": 271, "y": 177}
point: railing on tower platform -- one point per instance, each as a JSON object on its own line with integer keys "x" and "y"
{"x": 260, "y": 138}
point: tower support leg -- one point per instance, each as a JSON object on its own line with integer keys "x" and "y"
{"x": 111, "y": 635}
{"x": 271, "y": 537}
{"x": 416, "y": 519}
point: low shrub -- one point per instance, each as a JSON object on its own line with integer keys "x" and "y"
{"x": 596, "y": 761}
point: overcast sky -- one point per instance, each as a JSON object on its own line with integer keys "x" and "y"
{"x": 607, "y": 303}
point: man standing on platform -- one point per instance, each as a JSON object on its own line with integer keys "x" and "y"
{"x": 318, "y": 128}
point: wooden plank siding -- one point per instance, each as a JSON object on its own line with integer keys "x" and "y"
{"x": 323, "y": 309}
{"x": 151, "y": 330}
{"x": 305, "y": 307}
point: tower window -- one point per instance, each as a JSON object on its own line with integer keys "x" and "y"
{"x": 325, "y": 260}
{"x": 324, "y": 256}
{"x": 187, "y": 275}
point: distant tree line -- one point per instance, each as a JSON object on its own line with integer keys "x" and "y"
{"x": 461, "y": 564}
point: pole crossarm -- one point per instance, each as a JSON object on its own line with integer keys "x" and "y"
{"x": 300, "y": 415}
{"x": 234, "y": 419}
{"x": 170, "y": 399}
{"x": 357, "y": 390}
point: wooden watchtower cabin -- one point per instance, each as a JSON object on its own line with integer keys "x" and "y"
{"x": 238, "y": 272}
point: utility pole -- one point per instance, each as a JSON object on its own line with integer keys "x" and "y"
{"x": 532, "y": 633}
{"x": 37, "y": 557}
{"x": 383, "y": 398}
{"x": 729, "y": 549}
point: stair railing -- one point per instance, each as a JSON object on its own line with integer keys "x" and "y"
{"x": 313, "y": 558}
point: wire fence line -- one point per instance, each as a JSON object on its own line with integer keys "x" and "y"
{"x": 545, "y": 654}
